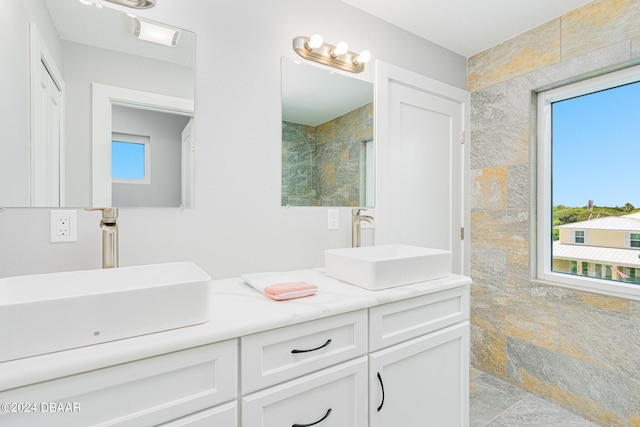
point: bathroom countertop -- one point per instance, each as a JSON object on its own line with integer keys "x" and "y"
{"x": 235, "y": 310}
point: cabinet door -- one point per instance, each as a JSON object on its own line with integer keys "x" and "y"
{"x": 333, "y": 397}
{"x": 422, "y": 382}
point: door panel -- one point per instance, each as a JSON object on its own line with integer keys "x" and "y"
{"x": 420, "y": 162}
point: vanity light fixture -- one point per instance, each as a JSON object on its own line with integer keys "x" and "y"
{"x": 156, "y": 33}
{"x": 339, "y": 56}
{"x": 136, "y": 4}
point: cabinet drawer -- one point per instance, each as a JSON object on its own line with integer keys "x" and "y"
{"x": 223, "y": 415}
{"x": 144, "y": 392}
{"x": 400, "y": 321}
{"x": 336, "y": 395}
{"x": 281, "y": 354}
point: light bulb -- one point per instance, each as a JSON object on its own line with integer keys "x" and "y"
{"x": 340, "y": 49}
{"x": 87, "y": 2}
{"x": 364, "y": 57}
{"x": 314, "y": 42}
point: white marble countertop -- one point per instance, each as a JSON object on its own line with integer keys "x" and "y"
{"x": 235, "y": 310}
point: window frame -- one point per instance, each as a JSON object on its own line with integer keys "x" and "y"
{"x": 134, "y": 139}
{"x": 543, "y": 220}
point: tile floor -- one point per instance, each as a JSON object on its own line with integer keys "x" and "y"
{"x": 496, "y": 403}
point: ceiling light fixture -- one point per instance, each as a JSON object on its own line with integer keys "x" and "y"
{"x": 339, "y": 56}
{"x": 156, "y": 33}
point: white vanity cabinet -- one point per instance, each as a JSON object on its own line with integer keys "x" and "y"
{"x": 346, "y": 358}
{"x": 150, "y": 391}
{"x": 419, "y": 361}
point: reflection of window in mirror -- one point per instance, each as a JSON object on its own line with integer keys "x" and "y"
{"x": 130, "y": 156}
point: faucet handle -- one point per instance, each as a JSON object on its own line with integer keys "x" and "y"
{"x": 109, "y": 215}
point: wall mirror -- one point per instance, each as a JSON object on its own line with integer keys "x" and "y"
{"x": 327, "y": 137}
{"x": 59, "y": 51}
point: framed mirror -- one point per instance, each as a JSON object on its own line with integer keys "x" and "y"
{"x": 327, "y": 137}
{"x": 58, "y": 51}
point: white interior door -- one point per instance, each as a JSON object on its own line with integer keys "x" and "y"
{"x": 420, "y": 157}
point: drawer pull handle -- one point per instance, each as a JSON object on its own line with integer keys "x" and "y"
{"x": 312, "y": 349}
{"x": 382, "y": 387}
{"x": 317, "y": 422}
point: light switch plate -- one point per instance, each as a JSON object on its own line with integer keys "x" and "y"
{"x": 333, "y": 219}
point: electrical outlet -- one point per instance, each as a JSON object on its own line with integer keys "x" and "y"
{"x": 333, "y": 221}
{"x": 63, "y": 226}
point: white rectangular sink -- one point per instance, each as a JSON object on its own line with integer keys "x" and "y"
{"x": 51, "y": 312}
{"x": 387, "y": 266}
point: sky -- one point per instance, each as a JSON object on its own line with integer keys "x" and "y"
{"x": 127, "y": 160}
{"x": 596, "y": 148}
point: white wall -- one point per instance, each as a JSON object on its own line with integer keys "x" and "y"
{"x": 238, "y": 224}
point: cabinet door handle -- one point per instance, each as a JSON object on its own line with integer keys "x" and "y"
{"x": 317, "y": 422}
{"x": 312, "y": 349}
{"x": 382, "y": 387}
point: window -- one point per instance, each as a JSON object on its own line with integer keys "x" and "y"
{"x": 587, "y": 132}
{"x": 130, "y": 156}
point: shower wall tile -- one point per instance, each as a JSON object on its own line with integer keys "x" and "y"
{"x": 518, "y": 186}
{"x": 606, "y": 341}
{"x": 507, "y": 230}
{"x": 499, "y": 145}
{"x": 489, "y": 267}
{"x": 598, "y": 24}
{"x": 635, "y": 48}
{"x": 515, "y": 57}
{"x": 598, "y": 393}
{"x": 635, "y": 403}
{"x": 489, "y": 188}
{"x": 488, "y": 351}
{"x": 489, "y": 106}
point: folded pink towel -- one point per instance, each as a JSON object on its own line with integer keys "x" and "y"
{"x": 279, "y": 286}
{"x": 290, "y": 290}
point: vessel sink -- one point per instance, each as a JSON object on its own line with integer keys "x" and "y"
{"x": 51, "y": 312}
{"x": 387, "y": 266}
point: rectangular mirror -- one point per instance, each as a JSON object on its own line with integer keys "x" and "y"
{"x": 57, "y": 50}
{"x": 327, "y": 137}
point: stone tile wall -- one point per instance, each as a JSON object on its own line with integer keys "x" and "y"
{"x": 581, "y": 349}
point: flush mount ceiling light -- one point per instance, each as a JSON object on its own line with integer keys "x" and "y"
{"x": 339, "y": 56}
{"x": 156, "y": 33}
{"x": 136, "y": 4}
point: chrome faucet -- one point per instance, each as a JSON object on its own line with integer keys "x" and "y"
{"x": 109, "y": 227}
{"x": 356, "y": 220}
